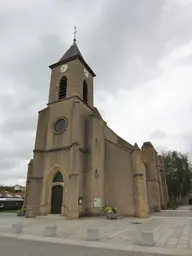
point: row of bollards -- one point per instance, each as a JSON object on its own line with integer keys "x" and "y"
{"x": 51, "y": 231}
{"x": 17, "y": 228}
{"x": 146, "y": 238}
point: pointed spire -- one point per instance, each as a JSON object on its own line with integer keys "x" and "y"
{"x": 136, "y": 147}
{"x": 73, "y": 53}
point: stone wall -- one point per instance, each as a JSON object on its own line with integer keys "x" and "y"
{"x": 119, "y": 179}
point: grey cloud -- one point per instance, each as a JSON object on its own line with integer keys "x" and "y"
{"x": 23, "y": 124}
{"x": 187, "y": 60}
{"x": 7, "y": 18}
{"x": 124, "y": 46}
{"x": 187, "y": 138}
{"x": 18, "y": 118}
{"x": 130, "y": 30}
{"x": 176, "y": 22}
{"x": 158, "y": 134}
{"x": 31, "y": 77}
{"x": 8, "y": 164}
{"x": 19, "y": 121}
{"x": 161, "y": 148}
{"x": 8, "y": 176}
{"x": 132, "y": 37}
{"x": 17, "y": 146}
{"x": 31, "y": 71}
{"x": 160, "y": 137}
{"x": 10, "y": 170}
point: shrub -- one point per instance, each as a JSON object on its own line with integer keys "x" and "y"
{"x": 110, "y": 209}
{"x": 172, "y": 205}
{"x": 21, "y": 212}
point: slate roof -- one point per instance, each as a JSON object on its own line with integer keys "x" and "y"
{"x": 136, "y": 146}
{"x": 96, "y": 111}
{"x": 71, "y": 52}
{"x": 147, "y": 144}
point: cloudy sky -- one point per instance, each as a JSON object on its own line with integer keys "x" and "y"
{"x": 141, "y": 51}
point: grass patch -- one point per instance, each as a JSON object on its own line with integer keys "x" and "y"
{"x": 8, "y": 211}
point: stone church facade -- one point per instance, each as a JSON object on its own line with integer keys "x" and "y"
{"x": 79, "y": 164}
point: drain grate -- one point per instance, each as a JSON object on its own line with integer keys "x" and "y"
{"x": 136, "y": 223}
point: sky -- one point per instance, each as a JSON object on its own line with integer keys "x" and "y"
{"x": 141, "y": 52}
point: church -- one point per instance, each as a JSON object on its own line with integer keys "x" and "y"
{"x": 79, "y": 164}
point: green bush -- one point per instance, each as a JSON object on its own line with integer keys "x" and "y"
{"x": 110, "y": 208}
{"x": 172, "y": 205}
{"x": 21, "y": 212}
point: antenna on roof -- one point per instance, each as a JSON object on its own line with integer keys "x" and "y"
{"x": 74, "y": 33}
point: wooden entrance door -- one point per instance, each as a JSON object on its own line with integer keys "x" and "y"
{"x": 56, "y": 199}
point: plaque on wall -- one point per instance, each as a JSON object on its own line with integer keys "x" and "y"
{"x": 97, "y": 202}
{"x": 80, "y": 200}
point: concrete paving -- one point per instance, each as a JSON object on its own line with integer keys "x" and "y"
{"x": 172, "y": 231}
{"x": 15, "y": 247}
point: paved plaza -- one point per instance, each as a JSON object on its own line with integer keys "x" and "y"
{"x": 172, "y": 232}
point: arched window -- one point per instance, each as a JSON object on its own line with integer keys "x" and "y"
{"x": 63, "y": 88}
{"x": 58, "y": 177}
{"x": 85, "y": 92}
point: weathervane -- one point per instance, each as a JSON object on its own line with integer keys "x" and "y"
{"x": 74, "y": 33}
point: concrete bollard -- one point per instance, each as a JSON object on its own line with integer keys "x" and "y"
{"x": 93, "y": 234}
{"x": 50, "y": 231}
{"x": 147, "y": 238}
{"x": 17, "y": 228}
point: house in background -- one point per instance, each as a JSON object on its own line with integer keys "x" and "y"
{"x": 18, "y": 188}
{"x": 15, "y": 191}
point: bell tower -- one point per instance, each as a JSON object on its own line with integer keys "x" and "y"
{"x": 61, "y": 139}
{"x": 71, "y": 76}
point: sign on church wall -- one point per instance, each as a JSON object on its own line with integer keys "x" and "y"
{"x": 97, "y": 202}
{"x": 80, "y": 200}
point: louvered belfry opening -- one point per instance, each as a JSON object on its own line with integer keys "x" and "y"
{"x": 63, "y": 88}
{"x": 85, "y": 92}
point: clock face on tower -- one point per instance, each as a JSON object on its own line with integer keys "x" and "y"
{"x": 63, "y": 68}
{"x": 86, "y": 72}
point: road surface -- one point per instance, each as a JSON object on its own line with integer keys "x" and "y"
{"x": 17, "y": 247}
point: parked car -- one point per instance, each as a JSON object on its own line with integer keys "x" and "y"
{"x": 11, "y": 203}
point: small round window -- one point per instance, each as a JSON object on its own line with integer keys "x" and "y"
{"x": 60, "y": 125}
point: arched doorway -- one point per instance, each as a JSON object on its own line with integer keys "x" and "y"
{"x": 57, "y": 193}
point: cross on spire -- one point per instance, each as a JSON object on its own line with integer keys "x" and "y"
{"x": 74, "y": 33}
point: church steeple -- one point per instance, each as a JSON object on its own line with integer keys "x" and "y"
{"x": 71, "y": 76}
{"x": 71, "y": 54}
